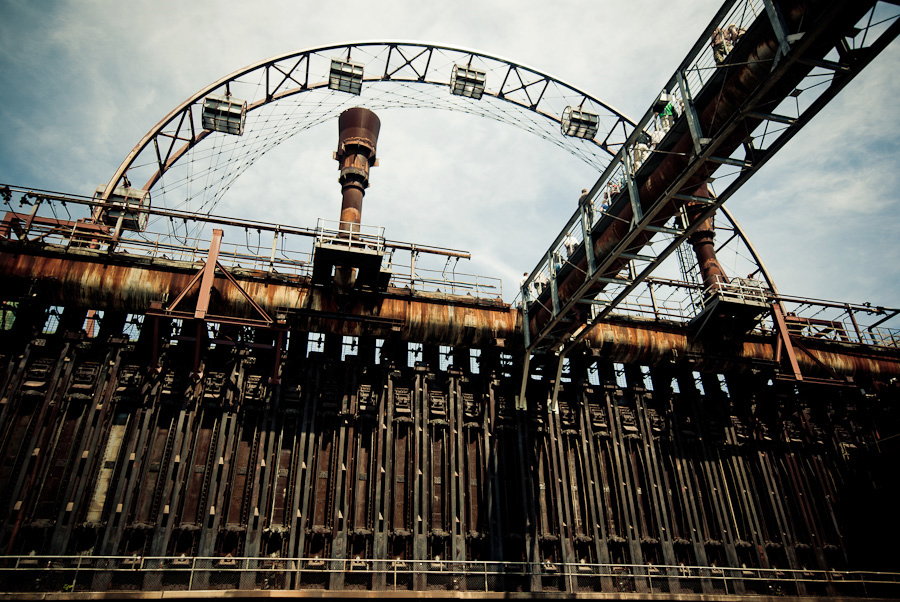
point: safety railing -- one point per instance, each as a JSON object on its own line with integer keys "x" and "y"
{"x": 738, "y": 290}
{"x": 680, "y": 301}
{"x": 708, "y": 54}
{"x": 62, "y": 223}
{"x": 349, "y": 235}
{"x": 81, "y": 574}
{"x": 417, "y": 278}
{"x": 881, "y": 337}
{"x": 841, "y": 322}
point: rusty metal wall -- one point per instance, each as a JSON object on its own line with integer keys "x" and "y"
{"x": 384, "y": 455}
{"x": 94, "y": 280}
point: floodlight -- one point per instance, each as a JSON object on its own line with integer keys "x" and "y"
{"x": 129, "y": 204}
{"x": 224, "y": 114}
{"x": 346, "y": 76}
{"x": 579, "y": 123}
{"x": 467, "y": 81}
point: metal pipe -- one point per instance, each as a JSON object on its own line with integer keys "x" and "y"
{"x": 703, "y": 243}
{"x": 357, "y": 138}
{"x": 448, "y": 320}
{"x": 715, "y": 106}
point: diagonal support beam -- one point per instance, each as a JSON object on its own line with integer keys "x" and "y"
{"x": 246, "y": 296}
{"x": 783, "y": 341}
{"x": 209, "y": 275}
{"x": 206, "y": 278}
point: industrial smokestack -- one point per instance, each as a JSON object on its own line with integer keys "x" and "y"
{"x": 357, "y": 137}
{"x": 703, "y": 242}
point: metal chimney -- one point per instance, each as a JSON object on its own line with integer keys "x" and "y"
{"x": 357, "y": 136}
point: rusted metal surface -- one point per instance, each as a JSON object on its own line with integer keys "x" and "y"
{"x": 652, "y": 343}
{"x": 96, "y": 283}
{"x": 379, "y": 427}
{"x": 358, "y": 130}
{"x": 209, "y": 275}
{"x": 16, "y": 223}
{"x": 361, "y": 460}
{"x": 703, "y": 243}
{"x": 715, "y": 106}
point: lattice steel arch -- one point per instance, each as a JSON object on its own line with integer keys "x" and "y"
{"x": 514, "y": 93}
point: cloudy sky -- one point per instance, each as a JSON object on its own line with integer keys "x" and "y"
{"x": 81, "y": 82}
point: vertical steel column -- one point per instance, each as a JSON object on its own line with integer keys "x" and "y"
{"x": 171, "y": 497}
{"x": 96, "y": 414}
{"x": 421, "y": 472}
{"x": 344, "y": 463}
{"x": 303, "y": 395}
{"x": 780, "y": 29}
{"x": 458, "y": 469}
{"x": 529, "y": 476}
{"x": 634, "y": 197}
{"x": 659, "y": 492}
{"x": 596, "y": 524}
{"x": 28, "y": 440}
{"x": 690, "y": 113}
{"x": 384, "y": 473}
{"x": 557, "y": 490}
{"x": 683, "y": 454}
{"x": 220, "y": 467}
{"x": 586, "y": 221}
{"x": 153, "y": 462}
{"x": 209, "y": 275}
{"x": 625, "y": 487}
{"x": 493, "y": 462}
{"x": 128, "y": 480}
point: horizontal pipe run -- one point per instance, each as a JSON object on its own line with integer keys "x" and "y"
{"x": 95, "y": 281}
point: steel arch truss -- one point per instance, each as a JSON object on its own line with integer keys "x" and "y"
{"x": 394, "y": 74}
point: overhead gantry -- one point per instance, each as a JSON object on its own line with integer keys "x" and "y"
{"x": 751, "y": 81}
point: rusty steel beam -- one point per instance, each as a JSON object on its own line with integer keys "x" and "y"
{"x": 209, "y": 275}
{"x": 95, "y": 281}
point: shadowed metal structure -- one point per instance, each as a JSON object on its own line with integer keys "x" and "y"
{"x": 205, "y": 416}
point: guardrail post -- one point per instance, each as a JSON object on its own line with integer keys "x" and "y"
{"x": 690, "y": 113}
{"x": 584, "y": 209}
{"x": 191, "y": 576}
{"x": 637, "y": 212}
{"x": 779, "y": 28}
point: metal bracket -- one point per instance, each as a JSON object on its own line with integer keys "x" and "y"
{"x": 637, "y": 213}
{"x": 521, "y": 402}
{"x": 554, "y": 290}
{"x": 784, "y": 339}
{"x": 691, "y": 113}
{"x": 780, "y": 30}
{"x": 586, "y": 236}
{"x": 554, "y": 397}
{"x": 206, "y": 277}
{"x": 526, "y": 329}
